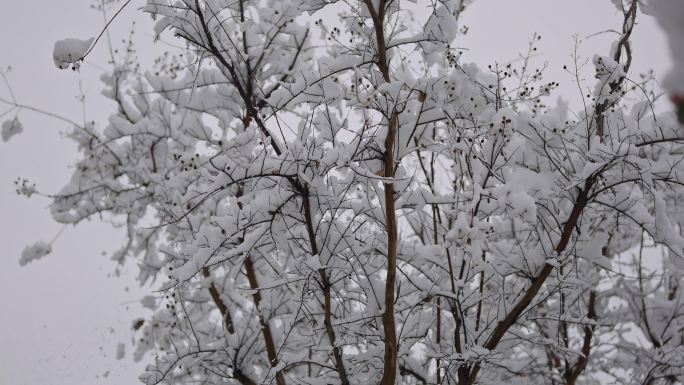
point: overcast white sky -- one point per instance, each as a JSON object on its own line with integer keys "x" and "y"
{"x": 61, "y": 317}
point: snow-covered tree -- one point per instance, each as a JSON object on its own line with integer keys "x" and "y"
{"x": 327, "y": 194}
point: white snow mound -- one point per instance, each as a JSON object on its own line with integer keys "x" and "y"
{"x": 70, "y": 51}
{"x": 36, "y": 251}
{"x": 11, "y": 128}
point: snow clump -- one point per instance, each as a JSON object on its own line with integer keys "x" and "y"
{"x": 70, "y": 52}
{"x": 36, "y": 251}
{"x": 11, "y": 128}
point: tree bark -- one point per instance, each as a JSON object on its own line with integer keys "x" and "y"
{"x": 265, "y": 327}
{"x": 578, "y": 368}
{"x": 389, "y": 373}
{"x": 566, "y": 234}
{"x": 327, "y": 296}
{"x": 216, "y": 297}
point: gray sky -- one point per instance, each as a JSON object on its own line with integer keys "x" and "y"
{"x": 57, "y": 312}
{"x": 62, "y": 316}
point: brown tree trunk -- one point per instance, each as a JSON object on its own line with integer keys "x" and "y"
{"x": 391, "y": 348}
{"x": 389, "y": 374}
{"x": 216, "y": 297}
{"x": 265, "y": 327}
{"x": 327, "y": 295}
{"x": 566, "y": 234}
{"x": 578, "y": 368}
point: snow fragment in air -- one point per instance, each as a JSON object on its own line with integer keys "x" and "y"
{"x": 36, "y": 251}
{"x": 69, "y": 52}
{"x": 149, "y": 302}
{"x": 120, "y": 350}
{"x": 11, "y": 128}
